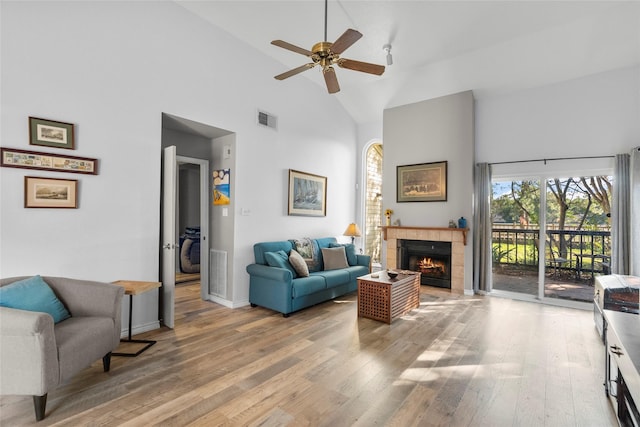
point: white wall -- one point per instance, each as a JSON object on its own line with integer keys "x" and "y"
{"x": 112, "y": 68}
{"x": 222, "y": 231}
{"x": 435, "y": 130}
{"x": 597, "y": 115}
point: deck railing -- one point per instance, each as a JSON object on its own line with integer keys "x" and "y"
{"x": 575, "y": 250}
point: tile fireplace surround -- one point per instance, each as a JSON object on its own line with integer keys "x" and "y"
{"x": 457, "y": 237}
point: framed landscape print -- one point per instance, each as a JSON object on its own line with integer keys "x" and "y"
{"x": 307, "y": 194}
{"x": 425, "y": 182}
{"x": 14, "y": 158}
{"x": 50, "y": 133}
{"x": 50, "y": 192}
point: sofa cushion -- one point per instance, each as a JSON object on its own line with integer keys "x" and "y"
{"x": 334, "y": 258}
{"x": 324, "y": 242}
{"x": 356, "y": 271}
{"x": 280, "y": 259}
{"x": 259, "y": 249}
{"x": 308, "y": 285}
{"x": 33, "y": 294}
{"x": 350, "y": 251}
{"x": 298, "y": 263}
{"x": 334, "y": 278}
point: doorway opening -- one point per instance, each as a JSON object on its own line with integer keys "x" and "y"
{"x": 192, "y": 221}
{"x": 189, "y": 228}
{"x": 190, "y": 149}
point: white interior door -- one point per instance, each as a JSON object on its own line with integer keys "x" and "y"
{"x": 204, "y": 228}
{"x": 169, "y": 191}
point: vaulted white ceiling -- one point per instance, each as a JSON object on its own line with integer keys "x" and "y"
{"x": 439, "y": 47}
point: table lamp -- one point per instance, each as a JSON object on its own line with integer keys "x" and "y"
{"x": 352, "y": 231}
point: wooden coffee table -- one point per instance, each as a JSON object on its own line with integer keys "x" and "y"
{"x": 382, "y": 298}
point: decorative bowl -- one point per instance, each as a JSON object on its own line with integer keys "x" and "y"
{"x": 392, "y": 274}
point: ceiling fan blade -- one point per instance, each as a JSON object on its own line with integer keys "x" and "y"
{"x": 348, "y": 38}
{"x": 364, "y": 67}
{"x": 291, "y": 47}
{"x": 331, "y": 80}
{"x": 295, "y": 71}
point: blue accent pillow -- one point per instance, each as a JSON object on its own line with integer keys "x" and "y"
{"x": 280, "y": 259}
{"x": 33, "y": 294}
{"x": 350, "y": 251}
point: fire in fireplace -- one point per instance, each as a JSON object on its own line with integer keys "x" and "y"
{"x": 431, "y": 258}
{"x": 432, "y": 267}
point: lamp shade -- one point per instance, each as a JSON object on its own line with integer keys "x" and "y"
{"x": 352, "y": 230}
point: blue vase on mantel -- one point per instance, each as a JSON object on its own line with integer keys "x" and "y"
{"x": 462, "y": 222}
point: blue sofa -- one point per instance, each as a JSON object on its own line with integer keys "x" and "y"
{"x": 280, "y": 289}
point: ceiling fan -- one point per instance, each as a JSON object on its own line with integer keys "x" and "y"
{"x": 327, "y": 54}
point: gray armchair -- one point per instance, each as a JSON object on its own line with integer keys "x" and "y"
{"x": 37, "y": 356}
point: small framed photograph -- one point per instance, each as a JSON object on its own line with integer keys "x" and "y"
{"x": 425, "y": 182}
{"x": 50, "y": 193}
{"x": 50, "y": 133}
{"x": 221, "y": 188}
{"x": 307, "y": 194}
{"x": 14, "y": 158}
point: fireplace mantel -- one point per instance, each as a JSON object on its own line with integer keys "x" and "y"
{"x": 397, "y": 227}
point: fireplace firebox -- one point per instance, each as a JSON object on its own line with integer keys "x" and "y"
{"x": 431, "y": 258}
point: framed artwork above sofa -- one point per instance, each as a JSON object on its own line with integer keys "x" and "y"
{"x": 307, "y": 194}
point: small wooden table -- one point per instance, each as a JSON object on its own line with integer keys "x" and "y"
{"x": 131, "y": 288}
{"x": 382, "y": 298}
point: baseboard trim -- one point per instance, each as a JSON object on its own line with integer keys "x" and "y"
{"x": 227, "y": 303}
{"x": 150, "y": 326}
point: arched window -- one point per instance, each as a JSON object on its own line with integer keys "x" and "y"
{"x": 373, "y": 202}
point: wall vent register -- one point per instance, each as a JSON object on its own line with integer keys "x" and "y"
{"x": 267, "y": 120}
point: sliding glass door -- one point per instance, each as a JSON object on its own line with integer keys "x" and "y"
{"x": 550, "y": 241}
{"x": 578, "y": 235}
{"x": 514, "y": 251}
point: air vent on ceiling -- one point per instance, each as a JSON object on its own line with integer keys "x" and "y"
{"x": 268, "y": 120}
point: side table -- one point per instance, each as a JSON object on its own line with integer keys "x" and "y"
{"x": 383, "y": 298}
{"x": 131, "y": 288}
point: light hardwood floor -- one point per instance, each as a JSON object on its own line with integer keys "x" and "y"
{"x": 187, "y": 277}
{"x": 455, "y": 361}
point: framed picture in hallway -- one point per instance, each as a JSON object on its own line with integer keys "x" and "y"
{"x": 424, "y": 182}
{"x": 51, "y": 133}
{"x": 14, "y": 158}
{"x": 307, "y": 194}
{"x": 50, "y": 192}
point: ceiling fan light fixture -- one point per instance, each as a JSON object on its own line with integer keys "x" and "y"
{"x": 325, "y": 54}
{"x": 387, "y": 48}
